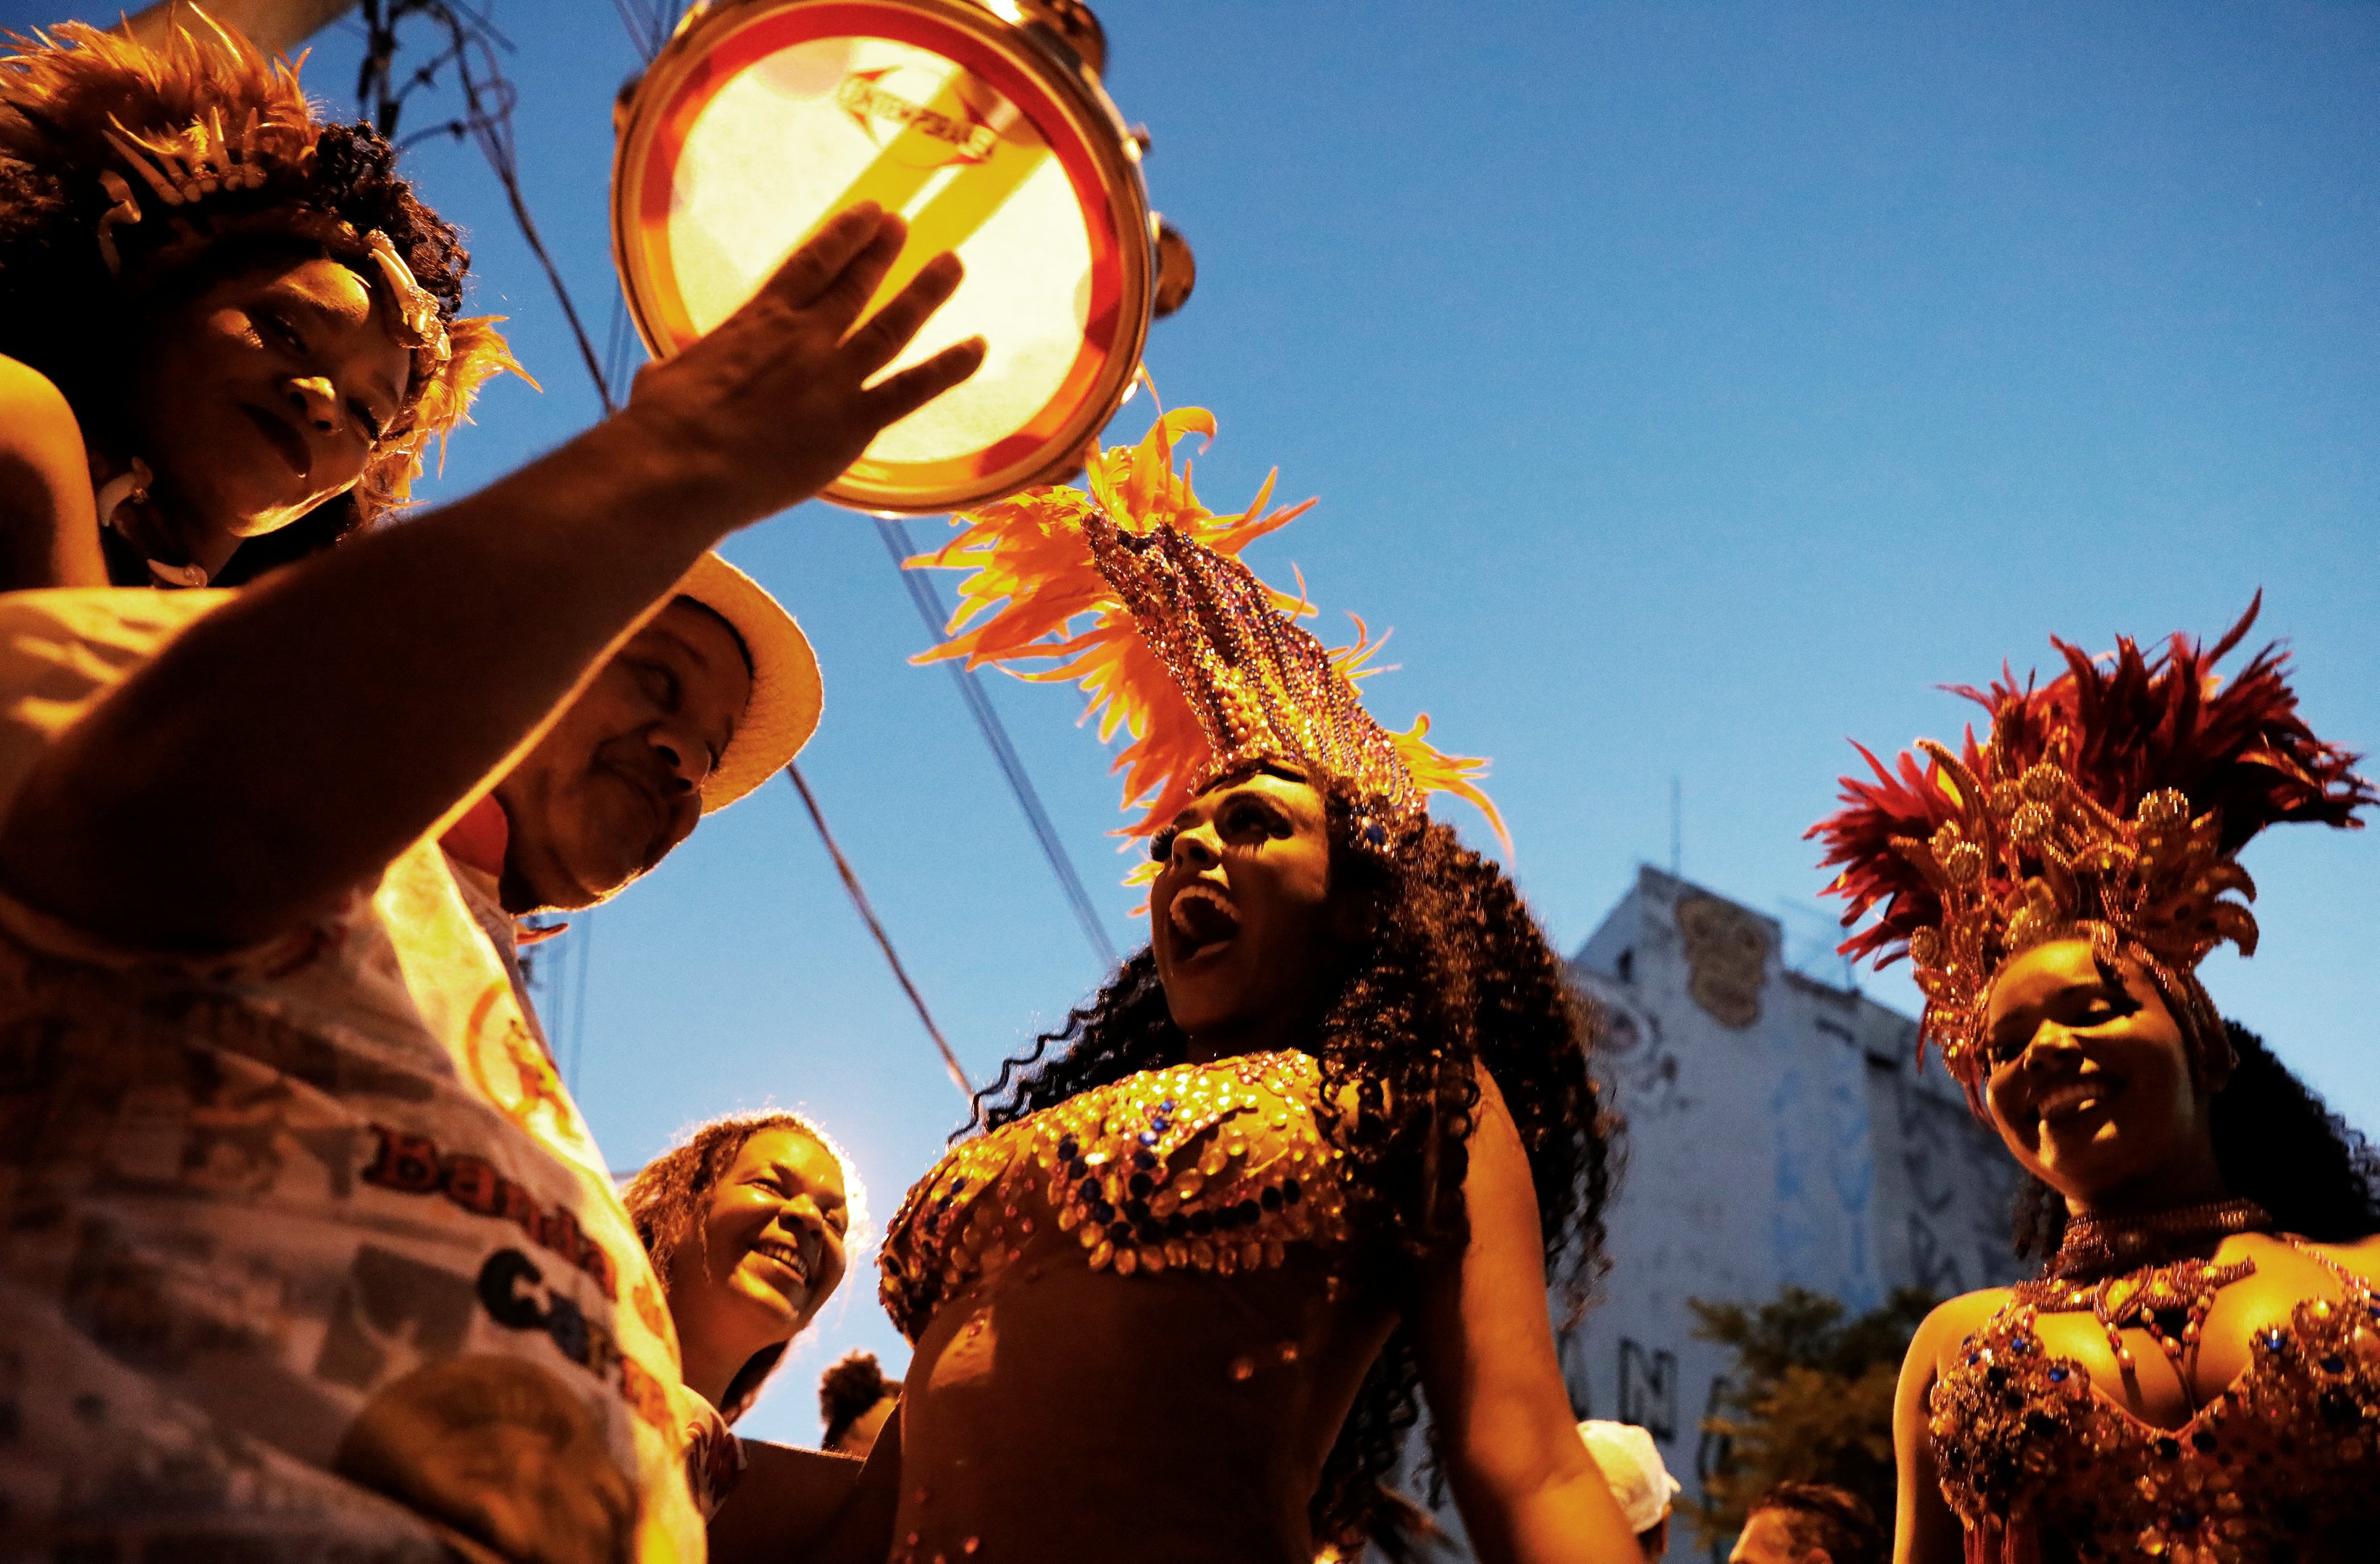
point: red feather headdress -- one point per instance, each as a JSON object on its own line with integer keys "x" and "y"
{"x": 2108, "y": 805}
{"x": 1200, "y": 661}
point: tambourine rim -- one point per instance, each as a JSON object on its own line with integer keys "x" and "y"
{"x": 1095, "y": 126}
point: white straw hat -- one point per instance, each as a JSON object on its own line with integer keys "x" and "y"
{"x": 786, "y": 696}
{"x": 1631, "y": 1468}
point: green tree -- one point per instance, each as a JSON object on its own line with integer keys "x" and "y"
{"x": 1810, "y": 1400}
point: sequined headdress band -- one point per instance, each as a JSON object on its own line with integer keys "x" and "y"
{"x": 1204, "y": 664}
{"x": 2109, "y": 804}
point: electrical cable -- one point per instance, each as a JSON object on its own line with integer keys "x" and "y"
{"x": 927, "y": 599}
{"x": 884, "y": 942}
{"x": 472, "y": 41}
{"x": 488, "y": 100}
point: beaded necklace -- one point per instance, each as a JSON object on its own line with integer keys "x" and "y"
{"x": 2108, "y": 1265}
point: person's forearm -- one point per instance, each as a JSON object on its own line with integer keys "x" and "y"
{"x": 290, "y": 743}
{"x": 287, "y": 746}
{"x": 1566, "y": 1519}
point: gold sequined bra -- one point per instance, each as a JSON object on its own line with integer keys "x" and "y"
{"x": 1213, "y": 1167}
{"x": 2283, "y": 1463}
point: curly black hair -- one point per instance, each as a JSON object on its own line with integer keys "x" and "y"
{"x": 2276, "y": 1142}
{"x": 850, "y": 1388}
{"x": 1454, "y": 973}
{"x": 63, "y": 314}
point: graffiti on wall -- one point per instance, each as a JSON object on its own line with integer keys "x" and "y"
{"x": 1726, "y": 958}
{"x": 1648, "y": 1390}
{"x": 1961, "y": 1184}
{"x": 1635, "y": 1056}
{"x": 1712, "y": 1450}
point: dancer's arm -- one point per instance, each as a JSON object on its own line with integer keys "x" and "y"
{"x": 811, "y": 1505}
{"x": 49, "y": 533}
{"x": 1529, "y": 1491}
{"x": 1924, "y": 1532}
{"x": 293, "y": 742}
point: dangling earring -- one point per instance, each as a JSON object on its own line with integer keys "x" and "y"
{"x": 131, "y": 488}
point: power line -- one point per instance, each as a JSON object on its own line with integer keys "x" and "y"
{"x": 927, "y": 599}
{"x": 471, "y": 44}
{"x": 884, "y": 942}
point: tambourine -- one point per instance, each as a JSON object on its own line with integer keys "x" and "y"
{"x": 986, "y": 126}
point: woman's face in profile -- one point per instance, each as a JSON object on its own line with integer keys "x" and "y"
{"x": 771, "y": 1251}
{"x": 2089, "y": 1080}
{"x": 1239, "y": 913}
{"x": 258, "y": 400}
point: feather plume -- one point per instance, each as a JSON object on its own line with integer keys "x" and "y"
{"x": 1042, "y": 601}
{"x": 2110, "y": 803}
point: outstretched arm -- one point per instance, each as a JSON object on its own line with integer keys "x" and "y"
{"x": 292, "y": 743}
{"x": 1529, "y": 1492}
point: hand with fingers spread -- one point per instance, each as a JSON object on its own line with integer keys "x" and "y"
{"x": 775, "y": 403}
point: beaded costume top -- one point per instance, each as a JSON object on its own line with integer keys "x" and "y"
{"x": 2285, "y": 1461}
{"x": 1214, "y": 1167}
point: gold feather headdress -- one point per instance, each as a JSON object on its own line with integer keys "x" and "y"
{"x": 173, "y": 149}
{"x": 1184, "y": 648}
{"x": 2108, "y": 805}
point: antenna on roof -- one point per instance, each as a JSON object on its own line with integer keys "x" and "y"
{"x": 1677, "y": 830}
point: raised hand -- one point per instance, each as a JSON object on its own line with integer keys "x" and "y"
{"x": 774, "y": 403}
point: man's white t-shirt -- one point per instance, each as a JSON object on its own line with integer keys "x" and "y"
{"x": 305, "y": 1252}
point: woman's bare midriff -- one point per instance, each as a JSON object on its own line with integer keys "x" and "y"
{"x": 1060, "y": 1414}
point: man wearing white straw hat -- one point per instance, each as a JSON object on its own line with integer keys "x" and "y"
{"x": 305, "y": 1251}
{"x": 1632, "y": 1467}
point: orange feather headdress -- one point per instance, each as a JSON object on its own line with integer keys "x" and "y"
{"x": 2110, "y": 805}
{"x": 1184, "y": 647}
{"x": 173, "y": 149}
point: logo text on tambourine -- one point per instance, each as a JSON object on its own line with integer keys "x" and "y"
{"x": 871, "y": 102}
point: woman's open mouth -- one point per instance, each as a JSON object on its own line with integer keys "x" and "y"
{"x": 2063, "y": 1105}
{"x": 784, "y": 1256}
{"x": 1204, "y": 921}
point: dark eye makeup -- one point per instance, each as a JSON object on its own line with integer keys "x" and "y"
{"x": 2078, "y": 1009}
{"x": 1255, "y": 816}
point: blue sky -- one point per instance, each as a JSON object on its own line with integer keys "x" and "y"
{"x": 1691, "y": 385}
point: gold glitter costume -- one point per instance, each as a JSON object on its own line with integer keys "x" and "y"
{"x": 1214, "y": 1167}
{"x": 2284, "y": 1464}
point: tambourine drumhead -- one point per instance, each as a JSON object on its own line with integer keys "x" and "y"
{"x": 762, "y": 120}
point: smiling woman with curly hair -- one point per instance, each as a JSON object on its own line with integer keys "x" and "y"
{"x": 227, "y": 331}
{"x": 1305, "y": 1161}
{"x": 751, "y": 1220}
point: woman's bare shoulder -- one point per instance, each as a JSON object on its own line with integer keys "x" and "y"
{"x": 49, "y": 522}
{"x": 1952, "y": 1322}
{"x": 2361, "y": 1255}
{"x": 36, "y": 423}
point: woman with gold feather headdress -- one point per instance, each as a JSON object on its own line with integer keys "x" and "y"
{"x": 2195, "y": 1374}
{"x": 1307, "y": 1157}
{"x": 227, "y": 331}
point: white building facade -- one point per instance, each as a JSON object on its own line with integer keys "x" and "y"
{"x": 1779, "y": 1132}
